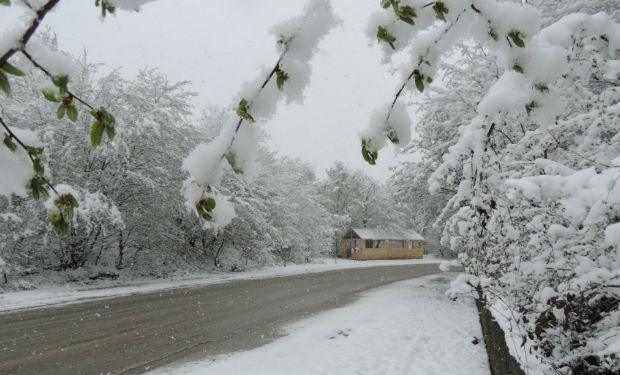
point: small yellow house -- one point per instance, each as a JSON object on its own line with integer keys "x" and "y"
{"x": 371, "y": 243}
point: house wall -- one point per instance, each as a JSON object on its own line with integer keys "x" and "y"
{"x": 384, "y": 253}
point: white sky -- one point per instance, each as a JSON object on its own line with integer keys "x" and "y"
{"x": 219, "y": 44}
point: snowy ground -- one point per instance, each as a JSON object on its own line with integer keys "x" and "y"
{"x": 408, "y": 327}
{"x": 72, "y": 293}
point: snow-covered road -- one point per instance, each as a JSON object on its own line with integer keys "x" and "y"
{"x": 408, "y": 327}
{"x": 135, "y": 333}
{"x": 74, "y": 293}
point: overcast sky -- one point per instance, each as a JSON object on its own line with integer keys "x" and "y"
{"x": 219, "y": 44}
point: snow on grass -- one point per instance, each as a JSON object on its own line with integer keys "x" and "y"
{"x": 75, "y": 293}
{"x": 409, "y": 327}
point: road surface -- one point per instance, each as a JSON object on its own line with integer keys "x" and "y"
{"x": 132, "y": 334}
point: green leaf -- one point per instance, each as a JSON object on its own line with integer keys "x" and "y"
{"x": 281, "y": 77}
{"x": 369, "y": 156}
{"x": 60, "y": 113}
{"x": 440, "y": 10}
{"x": 406, "y": 14}
{"x": 230, "y": 157}
{"x": 210, "y": 203}
{"x": 518, "y": 68}
{"x": 242, "y": 111}
{"x": 386, "y": 4}
{"x": 8, "y": 142}
{"x": 105, "y": 7}
{"x": 204, "y": 207}
{"x": 515, "y": 36}
{"x": 95, "y": 133}
{"x": 59, "y": 223}
{"x": 109, "y": 119}
{"x": 72, "y": 201}
{"x": 493, "y": 34}
{"x": 65, "y": 204}
{"x": 36, "y": 186}
{"x": 38, "y": 167}
{"x": 110, "y": 131}
{"x": 382, "y": 34}
{"x": 36, "y": 151}
{"x": 72, "y": 113}
{"x": 11, "y": 69}
{"x": 4, "y": 83}
{"x": 419, "y": 83}
{"x": 50, "y": 95}
{"x": 61, "y": 82}
{"x": 529, "y": 107}
{"x": 419, "y": 80}
{"x": 5, "y": 2}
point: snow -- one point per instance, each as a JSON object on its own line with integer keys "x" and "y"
{"x": 612, "y": 237}
{"x": 377, "y": 234}
{"x": 16, "y": 164}
{"x": 514, "y": 337}
{"x": 128, "y": 4}
{"x": 74, "y": 294}
{"x": 54, "y": 61}
{"x": 408, "y": 327}
{"x": 385, "y": 119}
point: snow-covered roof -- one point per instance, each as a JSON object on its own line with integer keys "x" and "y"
{"x": 377, "y": 234}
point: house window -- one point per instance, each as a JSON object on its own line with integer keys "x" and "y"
{"x": 414, "y": 244}
{"x": 375, "y": 244}
{"x": 398, "y": 244}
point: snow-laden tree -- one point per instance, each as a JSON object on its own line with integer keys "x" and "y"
{"x": 356, "y": 200}
{"x": 533, "y": 166}
{"x": 444, "y": 108}
{"x": 130, "y": 211}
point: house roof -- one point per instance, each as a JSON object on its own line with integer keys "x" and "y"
{"x": 377, "y": 234}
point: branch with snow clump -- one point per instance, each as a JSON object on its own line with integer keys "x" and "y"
{"x": 297, "y": 41}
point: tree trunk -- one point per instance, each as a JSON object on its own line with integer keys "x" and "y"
{"x": 121, "y": 250}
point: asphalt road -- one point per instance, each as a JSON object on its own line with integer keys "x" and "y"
{"x": 132, "y": 334}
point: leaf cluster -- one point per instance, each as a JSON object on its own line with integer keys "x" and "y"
{"x": 103, "y": 121}
{"x": 419, "y": 79}
{"x": 205, "y": 207}
{"x": 281, "y": 77}
{"x": 515, "y": 36}
{"x": 242, "y": 110}
{"x": 405, "y": 13}
{"x": 67, "y": 105}
{"x": 61, "y": 219}
{"x": 384, "y": 35}
{"x": 440, "y": 10}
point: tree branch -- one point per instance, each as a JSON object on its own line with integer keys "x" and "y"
{"x": 47, "y": 73}
{"x": 40, "y": 14}
{"x": 32, "y": 156}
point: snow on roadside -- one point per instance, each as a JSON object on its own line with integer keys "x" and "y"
{"x": 74, "y": 293}
{"x": 409, "y": 327}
